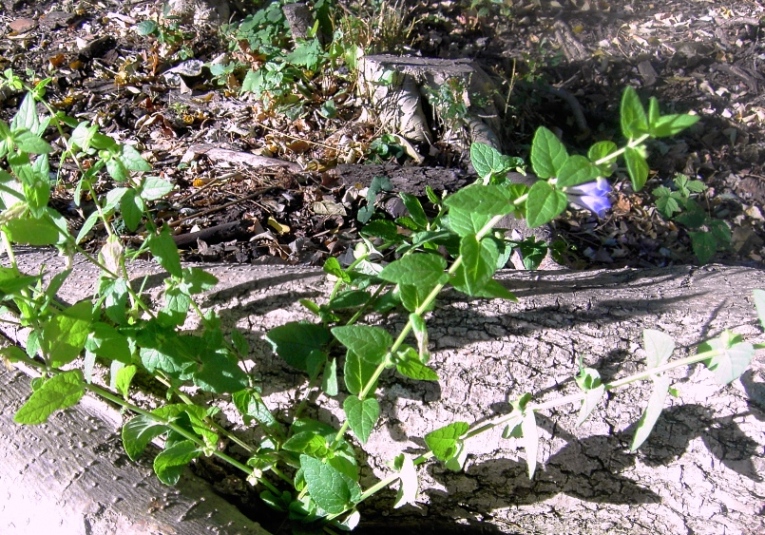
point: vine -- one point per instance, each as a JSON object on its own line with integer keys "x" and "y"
{"x": 302, "y": 467}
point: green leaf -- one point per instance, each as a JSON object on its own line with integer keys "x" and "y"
{"x": 414, "y": 296}
{"x": 124, "y": 378}
{"x": 530, "y": 440}
{"x": 329, "y": 380}
{"x": 735, "y": 356}
{"x": 591, "y": 399}
{"x": 64, "y": 335}
{"x": 132, "y": 159}
{"x": 379, "y": 228}
{"x": 704, "y": 245}
{"x": 547, "y": 153}
{"x": 115, "y": 295}
{"x": 332, "y": 267}
{"x": 759, "y": 303}
{"x": 533, "y": 252}
{"x": 362, "y": 416}
{"x": 407, "y": 491}
{"x": 479, "y": 262}
{"x": 576, "y": 170}
{"x": 416, "y": 211}
{"x": 26, "y": 117}
{"x": 59, "y": 392}
{"x": 487, "y": 160}
{"x": 307, "y": 442}
{"x": 482, "y": 199}
{"x": 331, "y": 489}
{"x": 251, "y": 406}
{"x": 357, "y": 372}
{"x": 495, "y": 290}
{"x": 665, "y": 202}
{"x": 29, "y": 142}
{"x": 295, "y": 341}
{"x": 87, "y": 226}
{"x": 669, "y": 125}
{"x": 409, "y": 364}
{"x": 652, "y": 411}
{"x": 165, "y": 251}
{"x": 637, "y": 167}
{"x": 13, "y": 354}
{"x": 721, "y": 232}
{"x": 197, "y": 418}
{"x": 29, "y": 231}
{"x": 370, "y": 343}
{"x": 198, "y": 280}
{"x": 633, "y": 118}
{"x": 420, "y": 331}
{"x": 138, "y": 432}
{"x": 600, "y": 150}
{"x": 12, "y": 281}
{"x": 146, "y": 27}
{"x": 171, "y": 462}
{"x": 153, "y": 188}
{"x": 464, "y": 223}
{"x": 220, "y": 373}
{"x": 107, "y": 342}
{"x": 544, "y": 204}
{"x": 417, "y": 269}
{"x": 349, "y": 299}
{"x": 653, "y": 112}
{"x": 693, "y": 217}
{"x": 589, "y": 381}
{"x": 117, "y": 169}
{"x": 446, "y": 441}
{"x": 658, "y": 347}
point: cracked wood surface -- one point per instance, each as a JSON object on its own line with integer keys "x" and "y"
{"x": 701, "y": 471}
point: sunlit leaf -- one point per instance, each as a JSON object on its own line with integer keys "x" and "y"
{"x": 637, "y": 167}
{"x": 733, "y": 358}
{"x": 652, "y": 411}
{"x": 530, "y": 440}
{"x": 547, "y": 153}
{"x": 444, "y": 442}
{"x": 59, "y": 392}
{"x": 295, "y": 341}
{"x": 362, "y": 415}
{"x": 370, "y": 343}
{"x": 331, "y": 489}
{"x": 658, "y": 347}
{"x": 544, "y": 204}
{"x": 482, "y": 199}
{"x": 633, "y": 118}
{"x": 172, "y": 461}
{"x": 407, "y": 491}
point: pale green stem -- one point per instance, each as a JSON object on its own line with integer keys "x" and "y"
{"x": 633, "y": 143}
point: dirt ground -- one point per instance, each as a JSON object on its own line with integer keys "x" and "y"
{"x": 562, "y": 64}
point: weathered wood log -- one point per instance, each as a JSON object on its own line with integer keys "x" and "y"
{"x": 701, "y": 471}
{"x": 70, "y": 476}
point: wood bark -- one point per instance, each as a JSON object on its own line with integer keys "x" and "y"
{"x": 70, "y": 476}
{"x": 700, "y": 472}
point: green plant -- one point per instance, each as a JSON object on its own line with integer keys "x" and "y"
{"x": 304, "y": 468}
{"x": 168, "y": 33}
{"x": 708, "y": 235}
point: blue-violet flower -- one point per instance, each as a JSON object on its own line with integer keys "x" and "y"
{"x": 592, "y": 196}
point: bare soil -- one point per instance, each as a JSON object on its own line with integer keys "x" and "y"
{"x": 562, "y": 64}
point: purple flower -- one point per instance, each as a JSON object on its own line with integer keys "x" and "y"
{"x": 592, "y": 196}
